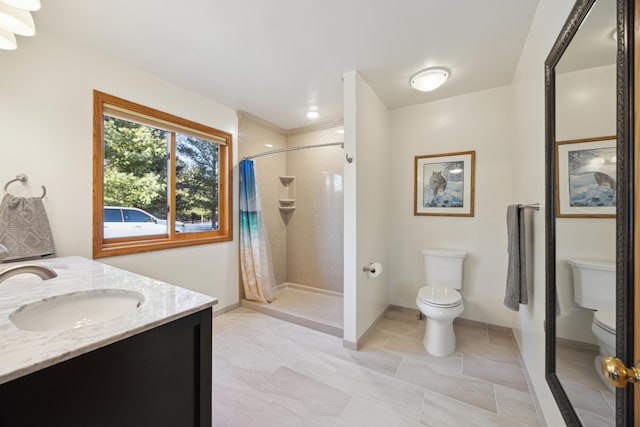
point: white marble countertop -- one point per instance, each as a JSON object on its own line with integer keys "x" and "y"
{"x": 24, "y": 352}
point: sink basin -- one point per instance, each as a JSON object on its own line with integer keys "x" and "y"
{"x": 75, "y": 310}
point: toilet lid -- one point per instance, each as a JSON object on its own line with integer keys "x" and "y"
{"x": 605, "y": 320}
{"x": 439, "y": 297}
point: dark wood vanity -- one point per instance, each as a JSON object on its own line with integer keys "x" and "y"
{"x": 160, "y": 377}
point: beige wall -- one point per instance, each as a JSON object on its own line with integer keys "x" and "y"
{"x": 315, "y": 230}
{"x": 367, "y": 224}
{"x": 481, "y": 122}
{"x": 46, "y": 128}
{"x": 528, "y": 156}
{"x": 306, "y": 244}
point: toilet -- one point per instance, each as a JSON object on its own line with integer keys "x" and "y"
{"x": 440, "y": 301}
{"x": 594, "y": 287}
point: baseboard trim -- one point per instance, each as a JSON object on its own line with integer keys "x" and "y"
{"x": 401, "y": 308}
{"x": 226, "y": 309}
{"x": 360, "y": 341}
{"x": 527, "y": 377}
{"x": 350, "y": 345}
{"x": 579, "y": 345}
{"x": 290, "y": 285}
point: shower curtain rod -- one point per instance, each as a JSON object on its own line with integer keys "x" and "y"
{"x": 302, "y": 147}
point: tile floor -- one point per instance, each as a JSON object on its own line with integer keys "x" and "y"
{"x": 268, "y": 372}
{"x": 594, "y": 402}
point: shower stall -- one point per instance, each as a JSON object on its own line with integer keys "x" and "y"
{"x": 300, "y": 184}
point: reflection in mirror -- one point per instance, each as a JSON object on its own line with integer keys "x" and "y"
{"x": 585, "y": 105}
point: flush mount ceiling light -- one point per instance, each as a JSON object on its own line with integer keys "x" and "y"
{"x": 312, "y": 114}
{"x": 30, "y": 5}
{"x": 15, "y": 18}
{"x": 17, "y": 21}
{"x": 429, "y": 79}
{"x": 7, "y": 40}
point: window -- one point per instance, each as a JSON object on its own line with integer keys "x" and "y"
{"x": 161, "y": 181}
{"x": 136, "y": 216}
{"x": 112, "y": 215}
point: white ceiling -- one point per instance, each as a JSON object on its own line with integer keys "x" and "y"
{"x": 277, "y": 58}
{"x": 593, "y": 44}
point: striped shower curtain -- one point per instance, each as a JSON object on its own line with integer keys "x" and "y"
{"x": 255, "y": 255}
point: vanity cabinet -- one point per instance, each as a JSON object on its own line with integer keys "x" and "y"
{"x": 160, "y": 377}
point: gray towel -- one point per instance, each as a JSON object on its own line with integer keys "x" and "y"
{"x": 516, "y": 292}
{"x": 24, "y": 228}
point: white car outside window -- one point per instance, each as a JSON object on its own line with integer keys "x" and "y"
{"x": 126, "y": 222}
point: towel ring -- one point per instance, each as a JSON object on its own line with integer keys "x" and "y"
{"x": 22, "y": 178}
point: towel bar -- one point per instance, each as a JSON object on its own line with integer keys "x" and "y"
{"x": 22, "y": 178}
{"x": 534, "y": 206}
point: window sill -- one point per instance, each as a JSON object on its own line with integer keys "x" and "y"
{"x": 107, "y": 249}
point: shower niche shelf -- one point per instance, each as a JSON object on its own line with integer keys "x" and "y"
{"x": 287, "y": 193}
{"x": 286, "y": 180}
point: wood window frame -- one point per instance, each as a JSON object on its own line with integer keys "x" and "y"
{"x": 127, "y": 245}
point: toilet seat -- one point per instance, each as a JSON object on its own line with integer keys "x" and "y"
{"x": 439, "y": 297}
{"x": 605, "y": 320}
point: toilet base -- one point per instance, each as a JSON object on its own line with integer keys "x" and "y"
{"x": 439, "y": 338}
{"x": 606, "y": 347}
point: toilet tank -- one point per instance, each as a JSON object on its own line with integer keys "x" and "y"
{"x": 594, "y": 284}
{"x": 443, "y": 268}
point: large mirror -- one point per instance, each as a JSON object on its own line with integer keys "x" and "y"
{"x": 584, "y": 161}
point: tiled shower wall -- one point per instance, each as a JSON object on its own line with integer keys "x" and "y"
{"x": 315, "y": 227}
{"x": 307, "y": 243}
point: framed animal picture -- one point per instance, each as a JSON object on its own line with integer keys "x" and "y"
{"x": 444, "y": 184}
{"x": 586, "y": 178}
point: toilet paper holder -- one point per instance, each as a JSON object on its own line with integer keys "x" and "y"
{"x": 373, "y": 269}
{"x": 369, "y": 268}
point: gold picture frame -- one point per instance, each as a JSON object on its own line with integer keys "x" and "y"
{"x": 444, "y": 184}
{"x": 586, "y": 178}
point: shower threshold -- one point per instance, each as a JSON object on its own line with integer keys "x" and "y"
{"x": 314, "y": 308}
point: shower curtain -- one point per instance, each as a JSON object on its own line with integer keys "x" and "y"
{"x": 258, "y": 278}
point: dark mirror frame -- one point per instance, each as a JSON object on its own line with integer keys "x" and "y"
{"x": 624, "y": 204}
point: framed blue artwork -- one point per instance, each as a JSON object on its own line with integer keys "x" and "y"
{"x": 444, "y": 184}
{"x": 586, "y": 178}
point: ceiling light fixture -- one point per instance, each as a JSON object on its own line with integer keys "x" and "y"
{"x": 17, "y": 21}
{"x": 30, "y": 5}
{"x": 429, "y": 79}
{"x": 15, "y": 18}
{"x": 312, "y": 114}
{"x": 7, "y": 40}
